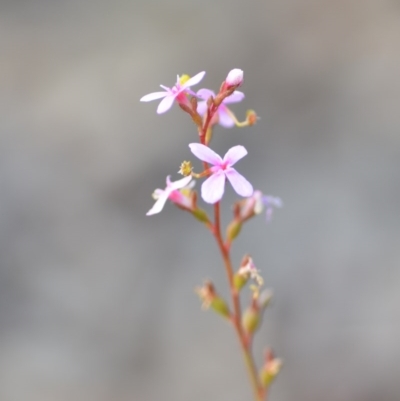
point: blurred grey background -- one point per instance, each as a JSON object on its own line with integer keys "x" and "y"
{"x": 96, "y": 299}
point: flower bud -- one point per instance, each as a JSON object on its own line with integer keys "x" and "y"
{"x": 251, "y": 320}
{"x": 200, "y": 215}
{"x": 211, "y": 299}
{"x": 239, "y": 281}
{"x": 234, "y": 78}
{"x": 270, "y": 370}
{"x": 220, "y": 306}
{"x": 233, "y": 230}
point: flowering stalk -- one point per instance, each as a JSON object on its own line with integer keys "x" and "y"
{"x": 236, "y": 318}
{"x": 210, "y": 111}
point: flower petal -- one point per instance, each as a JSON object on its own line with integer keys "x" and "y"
{"x": 180, "y": 183}
{"x": 224, "y": 118}
{"x": 205, "y": 94}
{"x": 272, "y": 201}
{"x": 213, "y": 187}
{"x": 194, "y": 80}
{"x": 205, "y": 154}
{"x": 159, "y": 205}
{"x": 234, "y": 154}
{"x": 236, "y": 96}
{"x": 202, "y": 108}
{"x": 153, "y": 96}
{"x": 239, "y": 183}
{"x": 166, "y": 103}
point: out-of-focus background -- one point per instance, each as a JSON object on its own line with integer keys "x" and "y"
{"x": 96, "y": 299}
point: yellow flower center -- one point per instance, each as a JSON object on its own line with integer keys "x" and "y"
{"x": 183, "y": 79}
{"x": 186, "y": 168}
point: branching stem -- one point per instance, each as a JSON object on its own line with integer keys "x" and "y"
{"x": 244, "y": 340}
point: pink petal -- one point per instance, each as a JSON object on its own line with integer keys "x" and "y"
{"x": 224, "y": 117}
{"x": 205, "y": 94}
{"x": 234, "y": 154}
{"x": 180, "y": 183}
{"x": 213, "y": 187}
{"x": 194, "y": 80}
{"x": 204, "y": 153}
{"x": 239, "y": 183}
{"x": 236, "y": 96}
{"x": 166, "y": 103}
{"x": 202, "y": 108}
{"x": 153, "y": 96}
{"x": 160, "y": 202}
{"x": 158, "y": 192}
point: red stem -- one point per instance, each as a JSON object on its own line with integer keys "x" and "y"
{"x": 260, "y": 392}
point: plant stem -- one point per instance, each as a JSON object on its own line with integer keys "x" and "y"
{"x": 237, "y": 313}
{"x": 244, "y": 340}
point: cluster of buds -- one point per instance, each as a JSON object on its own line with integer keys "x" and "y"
{"x": 252, "y": 316}
{"x": 207, "y": 109}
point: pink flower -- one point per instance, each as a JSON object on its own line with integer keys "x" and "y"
{"x": 234, "y": 78}
{"x": 225, "y": 116}
{"x": 178, "y": 92}
{"x": 172, "y": 193}
{"x": 213, "y": 188}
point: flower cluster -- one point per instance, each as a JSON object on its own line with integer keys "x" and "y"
{"x": 212, "y": 189}
{"x": 207, "y": 109}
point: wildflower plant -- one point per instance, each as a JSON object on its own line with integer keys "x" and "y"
{"x": 208, "y": 109}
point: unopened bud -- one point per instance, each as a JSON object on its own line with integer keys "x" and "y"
{"x": 234, "y": 78}
{"x": 201, "y": 215}
{"x": 211, "y": 299}
{"x": 239, "y": 281}
{"x": 251, "y": 320}
{"x": 233, "y": 230}
{"x": 220, "y": 306}
{"x": 270, "y": 370}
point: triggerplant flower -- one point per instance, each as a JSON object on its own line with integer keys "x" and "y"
{"x": 225, "y": 116}
{"x": 213, "y": 188}
{"x": 178, "y": 92}
{"x": 173, "y": 193}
